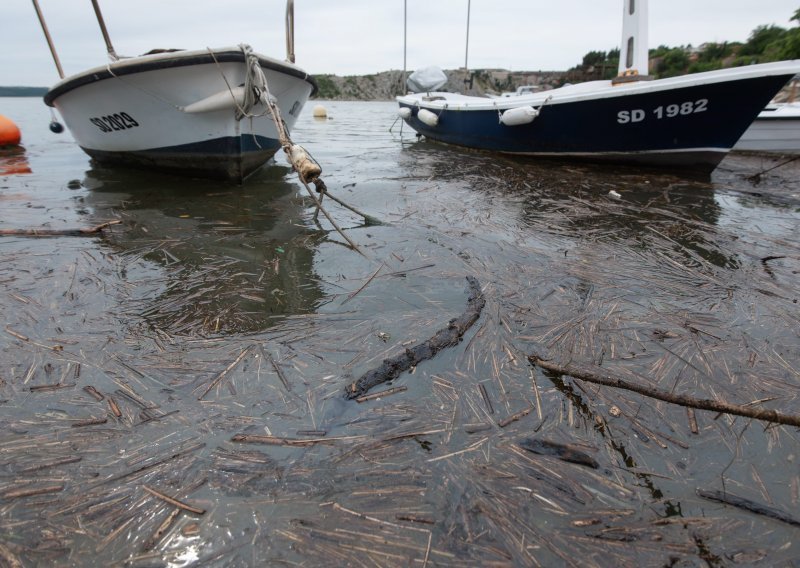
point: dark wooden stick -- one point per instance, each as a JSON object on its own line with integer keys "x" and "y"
{"x": 221, "y": 376}
{"x": 447, "y": 337}
{"x": 56, "y": 232}
{"x": 514, "y": 417}
{"x": 31, "y": 491}
{"x": 680, "y": 399}
{"x": 380, "y": 394}
{"x": 748, "y": 505}
{"x": 173, "y": 501}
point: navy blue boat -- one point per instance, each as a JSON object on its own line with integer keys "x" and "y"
{"x": 690, "y": 122}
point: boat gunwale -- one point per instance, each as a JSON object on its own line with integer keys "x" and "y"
{"x": 170, "y": 60}
{"x": 604, "y": 89}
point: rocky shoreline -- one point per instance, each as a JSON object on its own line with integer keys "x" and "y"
{"x": 388, "y": 84}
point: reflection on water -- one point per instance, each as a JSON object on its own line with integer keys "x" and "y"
{"x": 13, "y": 161}
{"x": 209, "y": 258}
{"x": 678, "y": 283}
{"x": 627, "y": 206}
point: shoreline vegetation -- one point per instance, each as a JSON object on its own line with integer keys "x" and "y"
{"x": 766, "y": 43}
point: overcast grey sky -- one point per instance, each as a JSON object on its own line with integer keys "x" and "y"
{"x": 350, "y": 37}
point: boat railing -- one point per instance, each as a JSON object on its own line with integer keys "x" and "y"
{"x": 290, "y": 31}
{"x": 112, "y": 54}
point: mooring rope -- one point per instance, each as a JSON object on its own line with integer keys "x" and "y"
{"x": 256, "y": 90}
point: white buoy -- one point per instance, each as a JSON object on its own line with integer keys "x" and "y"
{"x": 427, "y": 117}
{"x": 404, "y": 113}
{"x": 519, "y": 115}
{"x": 320, "y": 112}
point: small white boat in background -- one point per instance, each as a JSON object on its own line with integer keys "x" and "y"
{"x": 776, "y": 130}
{"x": 204, "y": 113}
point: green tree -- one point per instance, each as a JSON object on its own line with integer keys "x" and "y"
{"x": 760, "y": 38}
{"x": 788, "y": 47}
{"x": 675, "y": 62}
{"x": 594, "y": 58}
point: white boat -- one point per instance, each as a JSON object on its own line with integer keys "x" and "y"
{"x": 522, "y": 90}
{"x": 775, "y": 130}
{"x": 689, "y": 122}
{"x": 204, "y": 113}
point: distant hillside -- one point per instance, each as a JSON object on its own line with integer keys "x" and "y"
{"x": 22, "y": 91}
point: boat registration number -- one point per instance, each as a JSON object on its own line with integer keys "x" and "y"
{"x": 112, "y": 122}
{"x": 663, "y": 111}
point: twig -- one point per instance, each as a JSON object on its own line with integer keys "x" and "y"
{"x": 364, "y": 285}
{"x": 161, "y": 530}
{"x": 486, "y": 400}
{"x": 514, "y": 417}
{"x": 221, "y": 376}
{"x": 31, "y": 491}
{"x": 172, "y": 501}
{"x": 279, "y": 371}
{"x": 380, "y": 394}
{"x": 56, "y": 232}
{"x": 446, "y": 337}
{"x": 680, "y": 399}
{"x": 748, "y": 505}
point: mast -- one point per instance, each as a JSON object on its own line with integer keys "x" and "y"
{"x": 48, "y": 38}
{"x": 633, "y": 52}
{"x": 290, "y": 31}
{"x": 403, "y": 87}
{"x": 110, "y": 48}
{"x": 466, "y": 54}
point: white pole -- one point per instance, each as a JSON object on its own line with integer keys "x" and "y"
{"x": 466, "y": 54}
{"x": 403, "y": 89}
{"x": 633, "y": 52}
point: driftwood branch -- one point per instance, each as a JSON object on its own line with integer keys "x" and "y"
{"x": 447, "y": 337}
{"x": 764, "y": 414}
{"x": 748, "y": 505}
{"x": 56, "y": 232}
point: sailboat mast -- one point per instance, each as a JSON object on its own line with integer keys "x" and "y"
{"x": 403, "y": 88}
{"x": 633, "y": 53}
{"x": 466, "y": 54}
{"x": 110, "y": 48}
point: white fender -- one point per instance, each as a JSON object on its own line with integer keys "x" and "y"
{"x": 404, "y": 113}
{"x": 223, "y": 100}
{"x": 427, "y": 117}
{"x": 518, "y": 116}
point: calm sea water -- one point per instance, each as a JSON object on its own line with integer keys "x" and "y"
{"x": 212, "y": 310}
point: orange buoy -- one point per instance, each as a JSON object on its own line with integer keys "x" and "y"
{"x": 9, "y": 132}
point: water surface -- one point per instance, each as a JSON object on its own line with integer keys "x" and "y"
{"x": 212, "y": 311}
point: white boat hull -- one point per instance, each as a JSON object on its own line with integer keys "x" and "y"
{"x": 775, "y": 130}
{"x": 177, "y": 112}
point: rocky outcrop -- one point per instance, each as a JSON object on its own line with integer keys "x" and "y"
{"x": 389, "y": 84}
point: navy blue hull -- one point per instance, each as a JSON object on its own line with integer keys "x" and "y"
{"x": 230, "y": 158}
{"x": 642, "y": 128}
